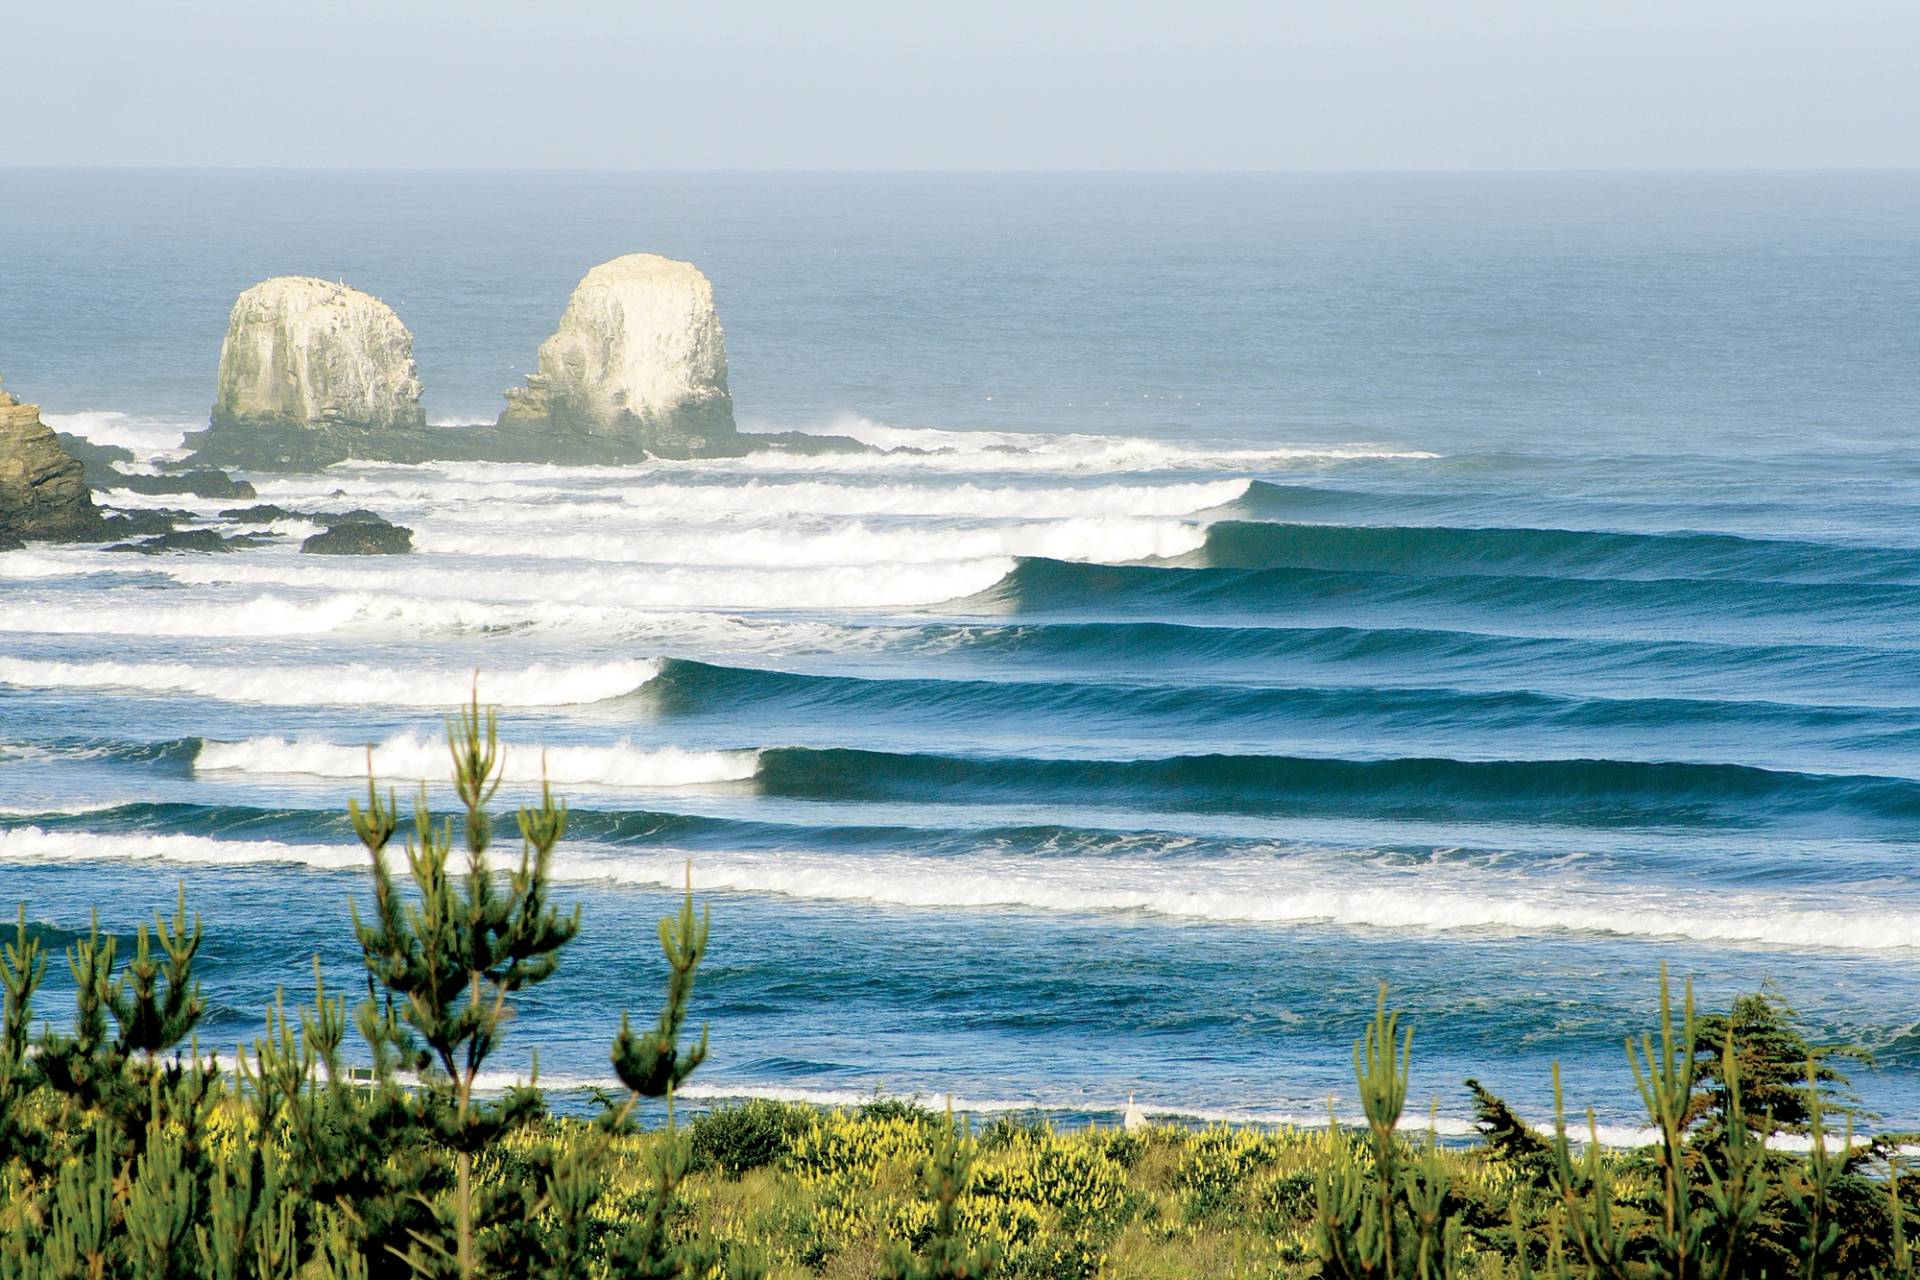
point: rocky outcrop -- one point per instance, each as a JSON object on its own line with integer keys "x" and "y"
{"x": 264, "y": 513}
{"x": 359, "y": 533}
{"x": 193, "y": 540}
{"x": 311, "y": 372}
{"x": 306, "y": 352}
{"x": 43, "y": 489}
{"x": 638, "y": 365}
{"x": 197, "y": 484}
{"x": 102, "y": 461}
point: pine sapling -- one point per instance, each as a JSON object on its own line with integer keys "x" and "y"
{"x": 1665, "y": 1077}
{"x": 948, "y": 1253}
{"x": 453, "y": 957}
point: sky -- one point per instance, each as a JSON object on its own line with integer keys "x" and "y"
{"x": 985, "y": 84}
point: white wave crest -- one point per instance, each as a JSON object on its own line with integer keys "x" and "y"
{"x": 651, "y": 587}
{"x": 1084, "y": 538}
{"x": 344, "y": 685}
{"x": 817, "y": 497}
{"x": 148, "y": 438}
{"x": 34, "y": 844}
{"x": 413, "y": 757}
{"x": 259, "y": 616}
{"x": 1412, "y": 904}
{"x": 68, "y": 810}
{"x": 1258, "y": 893}
{"x": 933, "y": 449}
{"x": 349, "y": 612}
{"x": 48, "y": 562}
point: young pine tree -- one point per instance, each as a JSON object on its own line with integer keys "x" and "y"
{"x": 948, "y": 1254}
{"x": 452, "y": 958}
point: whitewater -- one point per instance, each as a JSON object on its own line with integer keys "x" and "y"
{"x": 1193, "y": 640}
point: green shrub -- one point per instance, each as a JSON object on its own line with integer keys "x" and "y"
{"x": 908, "y": 1109}
{"x": 750, "y": 1135}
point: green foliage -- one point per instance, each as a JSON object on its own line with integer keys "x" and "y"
{"x": 1784, "y": 1078}
{"x": 752, "y": 1135}
{"x": 653, "y": 1065}
{"x": 948, "y": 1252}
{"x": 908, "y": 1110}
{"x": 1384, "y": 1211}
{"x": 1508, "y": 1138}
{"x": 1219, "y": 1163}
{"x": 450, "y": 960}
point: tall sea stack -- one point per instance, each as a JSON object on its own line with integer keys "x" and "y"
{"x": 638, "y": 365}
{"x": 311, "y": 372}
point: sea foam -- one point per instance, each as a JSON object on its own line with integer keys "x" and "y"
{"x": 1090, "y": 538}
{"x": 1263, "y": 894}
{"x": 654, "y": 587}
{"x": 347, "y": 684}
{"x": 414, "y": 757}
{"x": 148, "y": 438}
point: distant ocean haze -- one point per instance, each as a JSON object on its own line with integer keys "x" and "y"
{"x": 1259, "y": 586}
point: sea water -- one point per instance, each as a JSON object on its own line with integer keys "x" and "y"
{"x": 1260, "y": 588}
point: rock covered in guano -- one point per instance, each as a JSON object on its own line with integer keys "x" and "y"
{"x": 43, "y": 489}
{"x": 302, "y": 351}
{"x": 639, "y": 360}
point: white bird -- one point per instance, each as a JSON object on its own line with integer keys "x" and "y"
{"x": 1133, "y": 1117}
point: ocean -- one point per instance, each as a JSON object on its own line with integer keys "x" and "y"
{"x": 1262, "y": 587}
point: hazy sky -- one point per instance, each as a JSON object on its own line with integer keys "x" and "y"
{"x": 996, "y": 84}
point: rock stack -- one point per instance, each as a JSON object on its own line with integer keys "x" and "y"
{"x": 638, "y": 365}
{"x": 311, "y": 372}
{"x": 43, "y": 490}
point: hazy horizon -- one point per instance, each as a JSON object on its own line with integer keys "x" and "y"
{"x": 856, "y": 171}
{"x": 858, "y": 86}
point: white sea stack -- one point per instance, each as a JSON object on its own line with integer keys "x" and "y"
{"x": 302, "y": 351}
{"x": 639, "y": 358}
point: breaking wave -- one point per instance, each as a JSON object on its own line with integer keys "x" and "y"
{"x": 1299, "y": 892}
{"x": 1258, "y": 893}
{"x": 147, "y": 438}
{"x": 1597, "y": 793}
{"x": 1567, "y": 553}
{"x": 675, "y": 586}
{"x": 414, "y": 757}
{"x": 348, "y": 684}
{"x": 933, "y": 449}
{"x": 855, "y": 543}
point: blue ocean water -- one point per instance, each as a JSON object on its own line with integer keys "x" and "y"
{"x": 1266, "y": 586}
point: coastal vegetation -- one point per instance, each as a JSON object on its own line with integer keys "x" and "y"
{"x": 128, "y": 1150}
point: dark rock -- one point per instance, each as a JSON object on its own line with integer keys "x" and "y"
{"x": 359, "y": 515}
{"x": 98, "y": 459}
{"x": 279, "y": 447}
{"x": 43, "y": 489}
{"x": 190, "y": 540}
{"x": 200, "y": 484}
{"x": 808, "y": 444}
{"x": 375, "y": 537}
{"x": 134, "y": 524}
{"x": 265, "y": 513}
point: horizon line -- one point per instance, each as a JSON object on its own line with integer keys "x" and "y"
{"x": 964, "y": 171}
